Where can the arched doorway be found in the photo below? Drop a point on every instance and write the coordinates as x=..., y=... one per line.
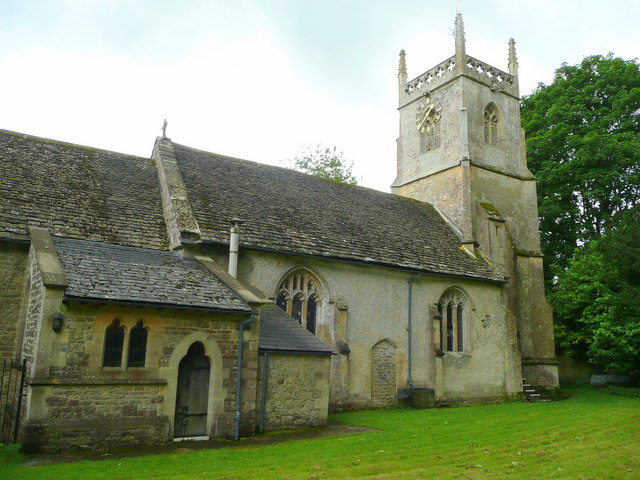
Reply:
x=192, y=395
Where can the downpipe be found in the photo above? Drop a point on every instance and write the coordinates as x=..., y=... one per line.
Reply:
x=409, y=322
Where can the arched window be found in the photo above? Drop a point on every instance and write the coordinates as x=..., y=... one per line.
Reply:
x=460, y=328
x=296, y=309
x=442, y=319
x=450, y=327
x=283, y=300
x=300, y=296
x=491, y=124
x=312, y=311
x=113, y=342
x=451, y=307
x=137, y=346
x=431, y=136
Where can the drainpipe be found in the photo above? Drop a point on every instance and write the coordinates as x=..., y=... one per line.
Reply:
x=409, y=359
x=234, y=242
x=263, y=391
x=241, y=325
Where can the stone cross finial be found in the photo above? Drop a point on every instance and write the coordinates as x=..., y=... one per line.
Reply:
x=513, y=60
x=402, y=69
x=164, y=128
x=459, y=34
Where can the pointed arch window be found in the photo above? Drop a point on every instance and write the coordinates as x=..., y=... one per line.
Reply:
x=431, y=135
x=137, y=346
x=113, y=343
x=299, y=295
x=491, y=121
x=454, y=322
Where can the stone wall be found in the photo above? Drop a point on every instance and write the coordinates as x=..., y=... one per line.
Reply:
x=13, y=265
x=297, y=393
x=98, y=416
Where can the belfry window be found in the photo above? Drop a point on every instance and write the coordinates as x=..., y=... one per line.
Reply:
x=137, y=346
x=491, y=124
x=453, y=324
x=431, y=138
x=300, y=296
x=113, y=342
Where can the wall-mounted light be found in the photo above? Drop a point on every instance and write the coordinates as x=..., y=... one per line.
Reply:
x=57, y=322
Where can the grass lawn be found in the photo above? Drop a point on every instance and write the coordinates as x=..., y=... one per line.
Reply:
x=595, y=435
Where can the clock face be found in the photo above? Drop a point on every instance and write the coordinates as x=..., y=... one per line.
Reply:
x=428, y=113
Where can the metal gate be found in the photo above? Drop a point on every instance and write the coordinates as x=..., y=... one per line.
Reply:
x=12, y=392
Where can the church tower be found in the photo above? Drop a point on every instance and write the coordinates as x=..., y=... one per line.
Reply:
x=461, y=148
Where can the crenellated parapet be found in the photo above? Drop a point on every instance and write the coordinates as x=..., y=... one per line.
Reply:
x=491, y=76
x=446, y=71
x=429, y=80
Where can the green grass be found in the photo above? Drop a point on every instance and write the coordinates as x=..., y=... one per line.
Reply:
x=594, y=435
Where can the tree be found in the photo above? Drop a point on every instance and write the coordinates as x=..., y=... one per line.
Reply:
x=583, y=147
x=597, y=298
x=326, y=163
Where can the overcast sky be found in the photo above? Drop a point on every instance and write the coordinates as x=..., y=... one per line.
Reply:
x=262, y=80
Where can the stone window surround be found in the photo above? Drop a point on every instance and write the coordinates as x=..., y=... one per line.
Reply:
x=456, y=299
x=431, y=136
x=312, y=290
x=491, y=121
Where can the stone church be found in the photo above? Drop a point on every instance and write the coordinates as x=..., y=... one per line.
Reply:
x=195, y=295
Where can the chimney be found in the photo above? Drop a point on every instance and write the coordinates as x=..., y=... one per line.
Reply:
x=234, y=243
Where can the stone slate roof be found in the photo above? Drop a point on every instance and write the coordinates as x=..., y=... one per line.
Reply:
x=78, y=192
x=280, y=332
x=141, y=276
x=298, y=213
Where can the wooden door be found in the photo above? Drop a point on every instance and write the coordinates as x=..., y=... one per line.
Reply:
x=192, y=397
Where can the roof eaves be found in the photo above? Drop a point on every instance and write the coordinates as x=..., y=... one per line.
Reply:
x=159, y=305
x=411, y=270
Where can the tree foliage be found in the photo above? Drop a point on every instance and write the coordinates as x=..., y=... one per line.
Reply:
x=597, y=298
x=583, y=147
x=326, y=163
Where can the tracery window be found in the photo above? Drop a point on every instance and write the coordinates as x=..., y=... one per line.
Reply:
x=453, y=324
x=300, y=295
x=113, y=342
x=431, y=138
x=491, y=124
x=137, y=346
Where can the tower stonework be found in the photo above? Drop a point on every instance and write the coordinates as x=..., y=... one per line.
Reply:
x=461, y=148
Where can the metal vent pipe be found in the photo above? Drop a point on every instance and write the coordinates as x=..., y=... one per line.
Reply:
x=234, y=244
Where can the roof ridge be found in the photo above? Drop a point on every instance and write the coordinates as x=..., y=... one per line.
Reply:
x=27, y=136
x=297, y=172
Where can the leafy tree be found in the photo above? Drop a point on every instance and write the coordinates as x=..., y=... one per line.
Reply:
x=326, y=163
x=597, y=298
x=583, y=147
